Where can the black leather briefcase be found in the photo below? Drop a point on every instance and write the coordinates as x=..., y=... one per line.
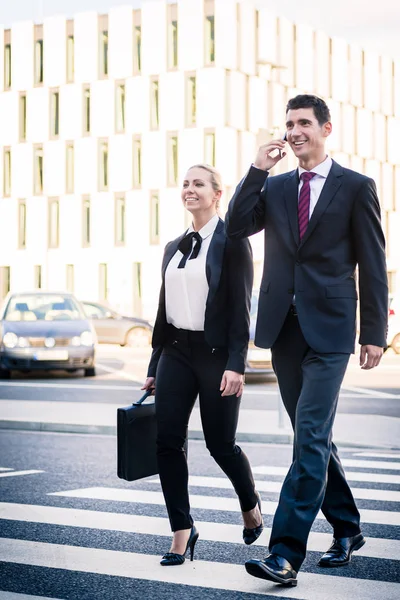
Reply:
x=136, y=440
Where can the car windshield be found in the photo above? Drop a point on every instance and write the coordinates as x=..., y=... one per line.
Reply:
x=45, y=307
x=254, y=305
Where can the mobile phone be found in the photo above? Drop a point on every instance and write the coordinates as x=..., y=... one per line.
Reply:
x=284, y=139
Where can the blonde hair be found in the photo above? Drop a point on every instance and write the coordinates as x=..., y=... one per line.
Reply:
x=216, y=180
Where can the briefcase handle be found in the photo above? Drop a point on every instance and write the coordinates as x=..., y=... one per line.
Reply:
x=143, y=398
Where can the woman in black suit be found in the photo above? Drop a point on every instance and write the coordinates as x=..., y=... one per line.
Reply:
x=200, y=343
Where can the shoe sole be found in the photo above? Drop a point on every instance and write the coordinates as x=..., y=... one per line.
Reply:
x=262, y=572
x=343, y=562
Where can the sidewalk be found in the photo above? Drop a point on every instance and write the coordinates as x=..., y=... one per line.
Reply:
x=254, y=425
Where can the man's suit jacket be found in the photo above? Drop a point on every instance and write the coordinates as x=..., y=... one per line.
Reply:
x=320, y=271
x=229, y=272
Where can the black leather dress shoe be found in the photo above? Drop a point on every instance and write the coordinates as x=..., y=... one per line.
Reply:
x=340, y=552
x=274, y=568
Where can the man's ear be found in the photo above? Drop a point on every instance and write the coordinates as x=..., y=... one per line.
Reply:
x=327, y=129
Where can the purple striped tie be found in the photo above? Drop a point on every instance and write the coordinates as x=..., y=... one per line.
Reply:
x=304, y=202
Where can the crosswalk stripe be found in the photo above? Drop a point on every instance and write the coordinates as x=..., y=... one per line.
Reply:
x=13, y=596
x=202, y=574
x=380, y=517
x=350, y=475
x=377, y=455
x=17, y=473
x=370, y=464
x=5, y=469
x=141, y=524
x=276, y=486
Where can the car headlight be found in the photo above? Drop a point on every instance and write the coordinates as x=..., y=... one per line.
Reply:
x=76, y=340
x=23, y=342
x=10, y=340
x=87, y=338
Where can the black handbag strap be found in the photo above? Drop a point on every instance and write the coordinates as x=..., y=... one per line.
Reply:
x=143, y=398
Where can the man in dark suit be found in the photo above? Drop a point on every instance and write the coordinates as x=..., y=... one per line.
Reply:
x=321, y=222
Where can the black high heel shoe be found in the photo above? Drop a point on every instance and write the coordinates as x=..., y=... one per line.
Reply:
x=171, y=558
x=250, y=535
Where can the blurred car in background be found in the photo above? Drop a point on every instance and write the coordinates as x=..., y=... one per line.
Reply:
x=45, y=331
x=113, y=328
x=394, y=324
x=259, y=360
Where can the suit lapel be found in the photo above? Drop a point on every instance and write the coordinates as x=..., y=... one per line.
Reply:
x=170, y=250
x=291, y=187
x=332, y=184
x=214, y=260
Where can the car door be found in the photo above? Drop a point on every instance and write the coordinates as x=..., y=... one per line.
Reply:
x=104, y=322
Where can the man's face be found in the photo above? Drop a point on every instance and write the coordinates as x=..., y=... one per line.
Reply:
x=305, y=135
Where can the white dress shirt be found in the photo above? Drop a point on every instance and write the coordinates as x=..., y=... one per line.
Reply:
x=317, y=182
x=186, y=289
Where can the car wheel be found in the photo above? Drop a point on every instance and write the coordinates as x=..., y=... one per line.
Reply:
x=90, y=372
x=396, y=343
x=5, y=374
x=138, y=337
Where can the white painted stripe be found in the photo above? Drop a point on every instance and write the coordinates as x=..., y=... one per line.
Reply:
x=350, y=475
x=13, y=596
x=70, y=386
x=124, y=374
x=212, y=532
x=377, y=455
x=276, y=486
x=371, y=464
x=17, y=473
x=5, y=469
x=202, y=574
x=381, y=517
x=369, y=392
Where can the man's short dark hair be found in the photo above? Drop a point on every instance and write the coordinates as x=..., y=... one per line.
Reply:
x=320, y=108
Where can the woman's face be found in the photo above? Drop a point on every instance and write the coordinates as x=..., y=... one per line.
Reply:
x=197, y=192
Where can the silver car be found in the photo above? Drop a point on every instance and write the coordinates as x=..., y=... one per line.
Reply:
x=43, y=331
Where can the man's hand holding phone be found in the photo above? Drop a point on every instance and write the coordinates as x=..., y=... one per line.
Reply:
x=264, y=160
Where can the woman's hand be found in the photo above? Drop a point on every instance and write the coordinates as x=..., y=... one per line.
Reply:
x=232, y=383
x=150, y=384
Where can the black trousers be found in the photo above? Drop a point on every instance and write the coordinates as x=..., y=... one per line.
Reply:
x=309, y=383
x=189, y=367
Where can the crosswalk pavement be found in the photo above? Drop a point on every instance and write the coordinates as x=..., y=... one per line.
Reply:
x=119, y=533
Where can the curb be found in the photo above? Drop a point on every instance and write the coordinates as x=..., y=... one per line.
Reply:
x=286, y=437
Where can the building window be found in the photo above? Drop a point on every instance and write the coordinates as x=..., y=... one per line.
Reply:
x=21, y=224
x=54, y=113
x=137, y=42
x=103, y=55
x=209, y=34
x=120, y=108
x=54, y=222
x=172, y=158
x=172, y=36
x=37, y=277
x=22, y=117
x=154, y=218
x=38, y=54
x=38, y=170
x=86, y=110
x=154, y=104
x=137, y=161
x=86, y=218
x=70, y=278
x=70, y=52
x=190, y=100
x=7, y=59
x=103, y=283
x=137, y=289
x=103, y=165
x=69, y=168
x=209, y=148
x=120, y=220
x=7, y=172
x=5, y=277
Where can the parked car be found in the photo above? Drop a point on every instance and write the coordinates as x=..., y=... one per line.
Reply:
x=43, y=331
x=259, y=360
x=113, y=328
x=394, y=324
